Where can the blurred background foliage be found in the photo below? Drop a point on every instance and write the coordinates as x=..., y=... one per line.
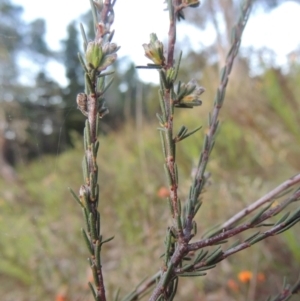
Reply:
x=41, y=249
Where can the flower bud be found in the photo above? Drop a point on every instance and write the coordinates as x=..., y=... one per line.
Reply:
x=155, y=50
x=94, y=54
x=110, y=48
x=81, y=100
x=189, y=94
x=107, y=61
x=191, y=3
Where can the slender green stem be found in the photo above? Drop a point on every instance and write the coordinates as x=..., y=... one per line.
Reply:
x=91, y=105
x=184, y=234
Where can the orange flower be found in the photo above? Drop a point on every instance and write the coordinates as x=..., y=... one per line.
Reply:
x=60, y=297
x=233, y=285
x=163, y=192
x=245, y=276
x=261, y=277
x=62, y=293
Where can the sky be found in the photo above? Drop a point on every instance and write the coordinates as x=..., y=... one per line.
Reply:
x=136, y=19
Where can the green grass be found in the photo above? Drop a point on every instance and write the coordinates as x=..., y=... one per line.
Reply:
x=41, y=245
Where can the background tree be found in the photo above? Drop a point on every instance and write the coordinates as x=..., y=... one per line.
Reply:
x=11, y=42
x=70, y=50
x=221, y=15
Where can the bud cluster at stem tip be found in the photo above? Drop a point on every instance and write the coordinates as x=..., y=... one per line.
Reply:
x=188, y=95
x=99, y=56
x=155, y=50
x=191, y=3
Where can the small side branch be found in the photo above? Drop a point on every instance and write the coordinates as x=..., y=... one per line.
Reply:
x=265, y=199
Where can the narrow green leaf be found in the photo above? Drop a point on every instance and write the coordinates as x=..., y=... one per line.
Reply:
x=220, y=242
x=194, y=228
x=168, y=175
x=284, y=284
x=170, y=206
x=108, y=85
x=92, y=186
x=92, y=226
x=83, y=35
x=97, y=254
x=93, y=291
x=87, y=241
x=116, y=295
x=104, y=74
x=257, y=239
x=97, y=127
x=252, y=236
x=206, y=267
x=282, y=219
x=75, y=196
x=259, y=214
x=129, y=296
x=188, y=209
x=178, y=87
x=183, y=106
x=233, y=35
x=149, y=66
x=197, y=207
x=195, y=274
x=264, y=225
x=162, y=140
x=96, y=148
x=162, y=122
x=85, y=170
x=214, y=255
x=289, y=226
x=107, y=240
x=163, y=78
x=182, y=93
x=191, y=133
x=213, y=231
x=111, y=34
x=234, y=244
x=82, y=64
x=88, y=84
x=86, y=219
x=211, y=146
x=162, y=104
x=98, y=224
x=171, y=297
x=177, y=66
x=182, y=131
x=179, y=222
x=176, y=174
x=295, y=287
x=281, y=194
x=87, y=133
x=222, y=73
x=94, y=13
x=168, y=274
x=187, y=267
x=293, y=216
x=168, y=247
x=200, y=256
x=205, y=143
x=209, y=119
